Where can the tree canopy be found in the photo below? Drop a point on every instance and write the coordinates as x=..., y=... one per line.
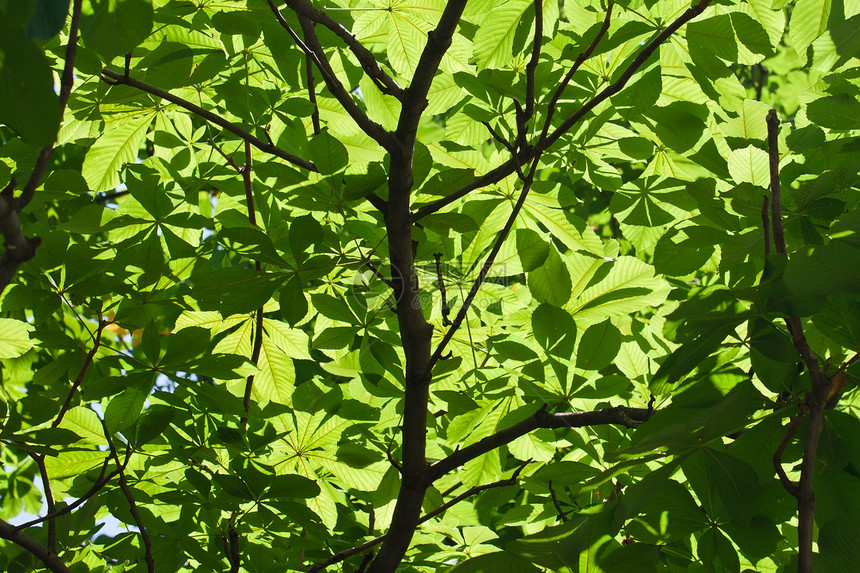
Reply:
x=489, y=286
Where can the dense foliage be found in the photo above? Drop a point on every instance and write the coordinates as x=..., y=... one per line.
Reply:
x=503, y=285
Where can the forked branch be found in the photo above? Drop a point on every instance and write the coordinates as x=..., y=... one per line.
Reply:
x=385, y=83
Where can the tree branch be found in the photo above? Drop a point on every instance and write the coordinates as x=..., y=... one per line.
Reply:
x=258, y=316
x=132, y=506
x=620, y=415
x=631, y=69
x=67, y=82
x=97, y=339
x=345, y=554
x=384, y=82
x=531, y=67
x=49, y=500
x=10, y=533
x=817, y=398
x=523, y=153
x=312, y=47
x=19, y=247
x=210, y=117
x=100, y=483
x=415, y=331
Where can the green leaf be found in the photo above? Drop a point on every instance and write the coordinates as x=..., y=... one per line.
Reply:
x=115, y=27
x=235, y=290
x=532, y=249
x=824, y=269
x=28, y=103
x=598, y=347
x=124, y=409
x=554, y=330
x=550, y=283
x=750, y=165
x=500, y=562
x=294, y=305
x=494, y=40
x=808, y=21
x=119, y=145
x=14, y=337
x=328, y=154
x=48, y=19
x=291, y=487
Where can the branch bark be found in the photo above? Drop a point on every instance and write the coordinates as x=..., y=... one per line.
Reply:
x=20, y=248
x=10, y=533
x=312, y=47
x=368, y=62
x=415, y=331
x=817, y=398
x=621, y=415
x=129, y=496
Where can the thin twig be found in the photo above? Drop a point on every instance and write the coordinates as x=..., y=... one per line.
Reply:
x=524, y=153
x=67, y=82
x=100, y=482
x=311, y=47
x=97, y=338
x=555, y=502
x=129, y=496
x=385, y=83
x=441, y=281
x=258, y=327
x=49, y=500
x=789, y=486
x=210, y=117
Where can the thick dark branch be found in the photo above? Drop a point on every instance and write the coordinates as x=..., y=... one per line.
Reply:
x=345, y=554
x=97, y=340
x=368, y=63
x=11, y=533
x=620, y=415
x=132, y=506
x=216, y=119
x=312, y=47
